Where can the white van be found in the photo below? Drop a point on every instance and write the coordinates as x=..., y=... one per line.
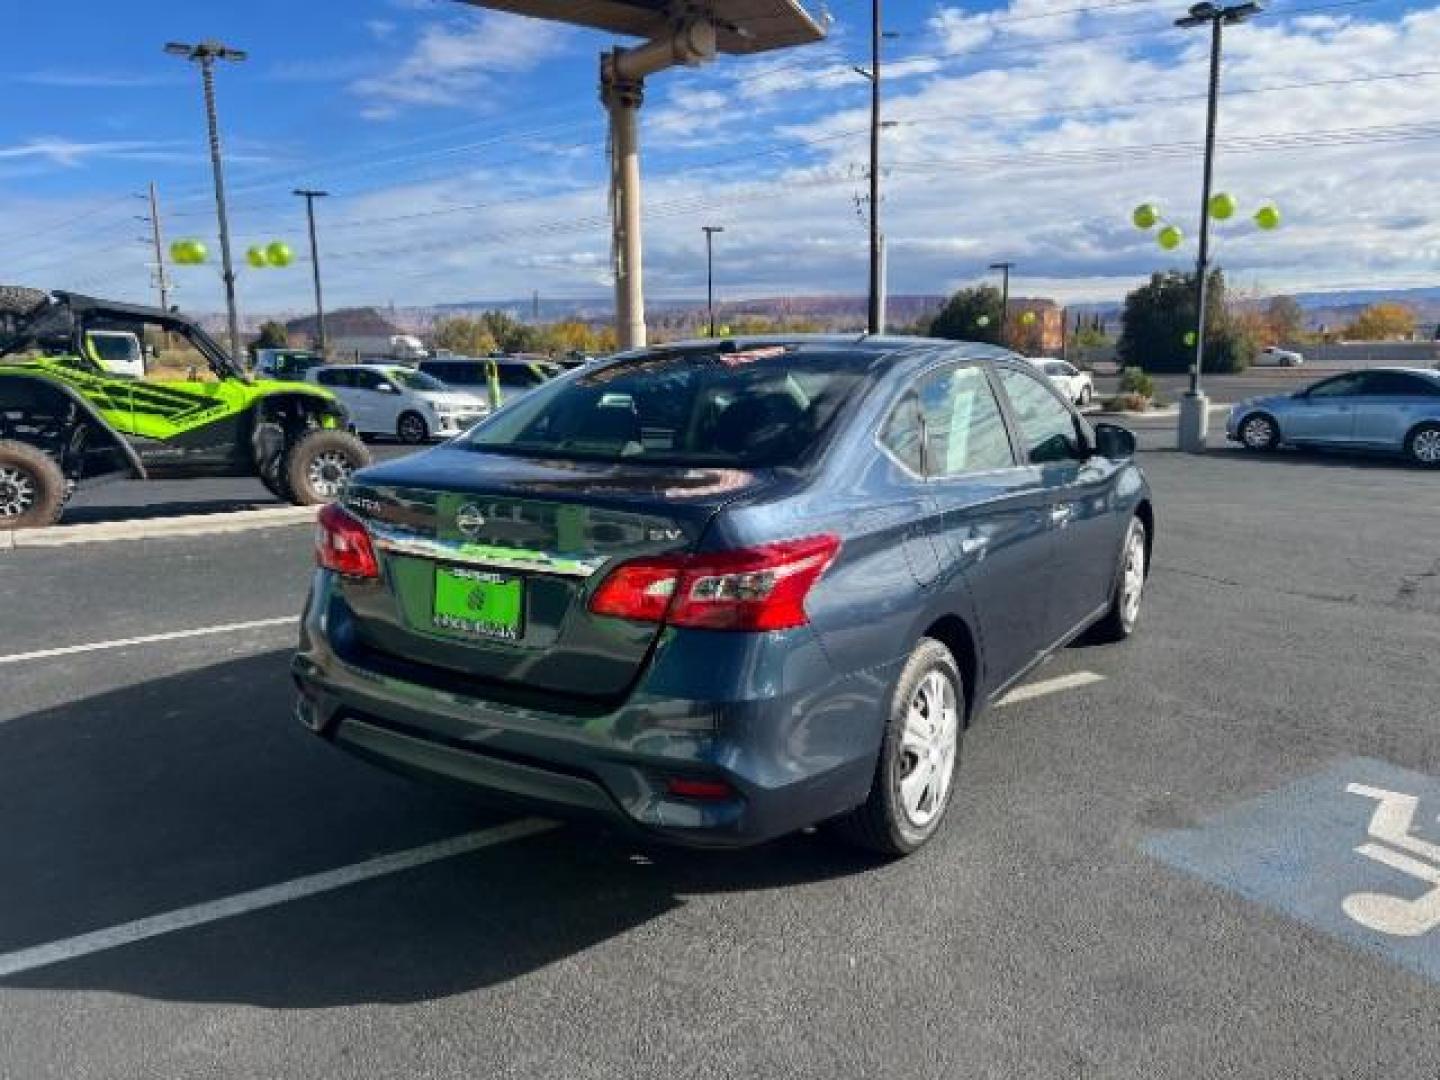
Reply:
x=117, y=351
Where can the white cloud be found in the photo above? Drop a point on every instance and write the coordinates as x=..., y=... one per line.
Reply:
x=458, y=60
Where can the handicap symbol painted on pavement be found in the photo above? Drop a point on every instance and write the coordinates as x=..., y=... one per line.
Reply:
x=1397, y=847
x=1353, y=851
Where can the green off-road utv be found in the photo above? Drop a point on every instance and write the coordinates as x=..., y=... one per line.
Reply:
x=68, y=418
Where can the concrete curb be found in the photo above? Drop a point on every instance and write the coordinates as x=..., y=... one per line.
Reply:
x=158, y=528
x=1169, y=412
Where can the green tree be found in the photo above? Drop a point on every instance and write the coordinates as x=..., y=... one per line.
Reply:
x=1160, y=314
x=1284, y=319
x=960, y=318
x=273, y=335
x=468, y=337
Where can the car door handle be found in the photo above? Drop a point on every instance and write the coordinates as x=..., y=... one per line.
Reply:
x=1061, y=515
x=974, y=545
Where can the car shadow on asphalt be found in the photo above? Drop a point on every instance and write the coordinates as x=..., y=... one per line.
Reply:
x=1331, y=459
x=87, y=515
x=193, y=787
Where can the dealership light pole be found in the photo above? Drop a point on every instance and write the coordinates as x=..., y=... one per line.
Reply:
x=310, y=195
x=710, y=231
x=1004, y=268
x=1194, y=408
x=875, y=318
x=205, y=54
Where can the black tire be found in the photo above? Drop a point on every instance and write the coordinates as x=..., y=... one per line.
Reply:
x=883, y=823
x=1422, y=445
x=19, y=301
x=1119, y=622
x=33, y=490
x=318, y=464
x=1258, y=431
x=411, y=428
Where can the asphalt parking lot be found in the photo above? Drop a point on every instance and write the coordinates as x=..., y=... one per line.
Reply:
x=1149, y=872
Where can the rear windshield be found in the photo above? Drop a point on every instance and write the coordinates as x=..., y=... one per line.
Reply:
x=757, y=408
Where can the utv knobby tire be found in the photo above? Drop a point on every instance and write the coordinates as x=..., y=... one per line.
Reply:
x=32, y=487
x=275, y=484
x=317, y=465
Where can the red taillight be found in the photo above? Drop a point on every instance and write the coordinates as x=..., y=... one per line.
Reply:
x=343, y=545
x=759, y=588
x=690, y=787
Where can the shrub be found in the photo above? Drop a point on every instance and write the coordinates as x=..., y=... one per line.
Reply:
x=1135, y=381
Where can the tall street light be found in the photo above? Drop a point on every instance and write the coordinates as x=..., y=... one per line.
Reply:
x=875, y=317
x=1004, y=268
x=310, y=195
x=205, y=54
x=1194, y=408
x=710, y=231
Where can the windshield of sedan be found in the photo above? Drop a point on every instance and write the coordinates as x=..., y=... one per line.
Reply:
x=754, y=408
x=416, y=380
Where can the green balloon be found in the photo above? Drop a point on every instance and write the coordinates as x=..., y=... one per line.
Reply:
x=279, y=254
x=983, y=321
x=1189, y=337
x=1223, y=206
x=256, y=257
x=1145, y=216
x=188, y=252
x=1268, y=217
x=1170, y=237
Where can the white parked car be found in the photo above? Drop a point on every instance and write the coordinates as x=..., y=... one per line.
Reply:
x=387, y=399
x=1279, y=357
x=1068, y=379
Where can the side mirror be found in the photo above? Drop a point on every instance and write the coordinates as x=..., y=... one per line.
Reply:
x=1114, y=442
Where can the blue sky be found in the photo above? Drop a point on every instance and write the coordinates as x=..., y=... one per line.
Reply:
x=465, y=149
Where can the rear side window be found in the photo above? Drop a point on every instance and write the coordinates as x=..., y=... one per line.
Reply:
x=964, y=429
x=1398, y=384
x=764, y=407
x=902, y=435
x=333, y=378
x=1047, y=427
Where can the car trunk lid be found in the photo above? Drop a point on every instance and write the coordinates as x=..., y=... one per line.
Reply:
x=488, y=561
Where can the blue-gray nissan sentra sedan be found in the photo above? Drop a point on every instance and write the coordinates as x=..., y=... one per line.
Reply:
x=1384, y=410
x=722, y=591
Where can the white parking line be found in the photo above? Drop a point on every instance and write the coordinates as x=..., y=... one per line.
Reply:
x=1073, y=681
x=57, y=952
x=148, y=639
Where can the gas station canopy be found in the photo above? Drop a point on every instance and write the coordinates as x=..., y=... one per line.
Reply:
x=742, y=26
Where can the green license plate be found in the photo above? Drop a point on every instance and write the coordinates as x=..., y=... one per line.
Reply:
x=479, y=604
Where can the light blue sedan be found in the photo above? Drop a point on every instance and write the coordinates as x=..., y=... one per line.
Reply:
x=1389, y=410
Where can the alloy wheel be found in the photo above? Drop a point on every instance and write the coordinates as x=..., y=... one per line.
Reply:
x=328, y=472
x=1426, y=446
x=17, y=491
x=1132, y=579
x=1258, y=433
x=412, y=428
x=928, y=747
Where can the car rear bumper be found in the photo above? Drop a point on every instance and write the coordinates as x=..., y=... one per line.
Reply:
x=791, y=756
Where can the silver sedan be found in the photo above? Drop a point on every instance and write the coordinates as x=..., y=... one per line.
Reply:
x=1388, y=410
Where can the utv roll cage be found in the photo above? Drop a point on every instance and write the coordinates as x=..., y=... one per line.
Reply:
x=59, y=327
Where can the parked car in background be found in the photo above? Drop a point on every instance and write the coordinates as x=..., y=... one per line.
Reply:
x=517, y=377
x=1272, y=356
x=1389, y=410
x=286, y=365
x=1075, y=384
x=118, y=352
x=718, y=592
x=387, y=399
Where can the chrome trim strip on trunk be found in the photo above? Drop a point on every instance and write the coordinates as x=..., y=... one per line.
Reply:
x=399, y=543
